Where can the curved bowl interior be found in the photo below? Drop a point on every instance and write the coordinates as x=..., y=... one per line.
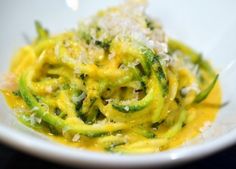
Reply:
x=208, y=26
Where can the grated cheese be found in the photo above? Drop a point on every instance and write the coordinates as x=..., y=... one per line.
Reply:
x=34, y=109
x=111, y=55
x=19, y=110
x=192, y=87
x=34, y=119
x=127, y=21
x=45, y=107
x=126, y=108
x=76, y=138
x=206, y=126
x=49, y=89
x=57, y=49
x=76, y=99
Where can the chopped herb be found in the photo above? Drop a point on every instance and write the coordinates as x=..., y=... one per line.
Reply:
x=103, y=44
x=79, y=103
x=157, y=124
x=83, y=76
x=146, y=133
x=177, y=100
x=17, y=93
x=66, y=86
x=149, y=24
x=85, y=36
x=98, y=29
x=92, y=116
x=59, y=113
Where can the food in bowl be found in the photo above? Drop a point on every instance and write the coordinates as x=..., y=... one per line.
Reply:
x=117, y=83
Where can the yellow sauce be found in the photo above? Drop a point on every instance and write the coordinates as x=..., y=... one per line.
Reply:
x=204, y=112
x=45, y=55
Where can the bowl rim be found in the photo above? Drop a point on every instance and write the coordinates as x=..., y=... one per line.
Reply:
x=78, y=157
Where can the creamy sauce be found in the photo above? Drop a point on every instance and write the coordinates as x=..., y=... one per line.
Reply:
x=76, y=56
x=199, y=115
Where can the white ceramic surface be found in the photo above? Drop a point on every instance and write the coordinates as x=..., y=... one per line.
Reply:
x=207, y=25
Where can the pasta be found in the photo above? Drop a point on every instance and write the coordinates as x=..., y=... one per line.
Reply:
x=117, y=83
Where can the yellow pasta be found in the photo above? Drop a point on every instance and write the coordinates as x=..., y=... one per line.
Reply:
x=116, y=84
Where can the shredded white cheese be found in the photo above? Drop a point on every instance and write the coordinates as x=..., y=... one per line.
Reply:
x=34, y=119
x=34, y=109
x=76, y=99
x=192, y=87
x=126, y=108
x=45, y=107
x=76, y=138
x=65, y=130
x=77, y=70
x=49, y=89
x=68, y=60
x=109, y=100
x=133, y=64
x=100, y=123
x=119, y=135
x=206, y=126
x=19, y=110
x=128, y=21
x=111, y=55
x=57, y=49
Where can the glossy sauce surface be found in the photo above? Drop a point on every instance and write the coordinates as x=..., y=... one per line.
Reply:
x=198, y=114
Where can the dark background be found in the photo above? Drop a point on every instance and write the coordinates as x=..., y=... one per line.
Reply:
x=11, y=159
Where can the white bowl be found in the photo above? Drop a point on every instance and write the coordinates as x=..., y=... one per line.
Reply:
x=209, y=26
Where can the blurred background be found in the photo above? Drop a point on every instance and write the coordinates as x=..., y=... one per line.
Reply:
x=11, y=159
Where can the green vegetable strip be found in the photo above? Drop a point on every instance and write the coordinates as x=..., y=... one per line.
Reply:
x=110, y=142
x=203, y=95
x=159, y=99
x=176, y=45
x=25, y=119
x=177, y=126
x=154, y=63
x=145, y=132
x=135, y=105
x=160, y=74
x=195, y=57
x=59, y=124
x=148, y=57
x=91, y=118
x=42, y=32
x=146, y=146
